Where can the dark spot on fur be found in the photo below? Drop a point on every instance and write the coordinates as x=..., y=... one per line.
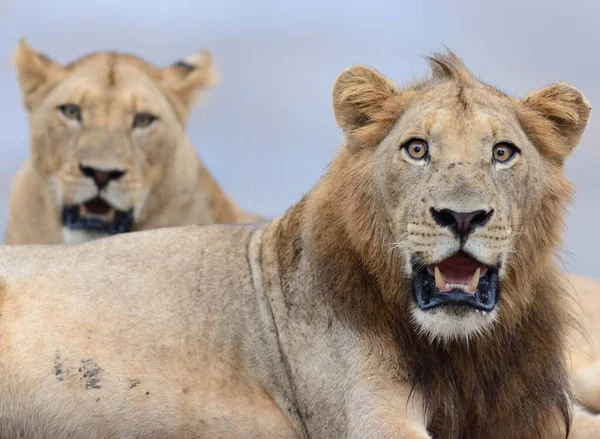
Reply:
x=329, y=323
x=133, y=382
x=97, y=399
x=111, y=70
x=185, y=390
x=185, y=65
x=92, y=373
x=147, y=393
x=58, y=367
x=462, y=99
x=45, y=58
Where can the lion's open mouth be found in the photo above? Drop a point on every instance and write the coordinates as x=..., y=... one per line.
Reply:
x=459, y=280
x=96, y=214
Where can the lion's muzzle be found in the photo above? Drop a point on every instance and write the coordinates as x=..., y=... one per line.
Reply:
x=459, y=280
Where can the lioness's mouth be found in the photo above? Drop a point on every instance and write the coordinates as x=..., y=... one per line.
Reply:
x=96, y=214
x=459, y=280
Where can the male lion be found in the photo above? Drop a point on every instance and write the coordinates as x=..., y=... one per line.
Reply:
x=411, y=294
x=108, y=149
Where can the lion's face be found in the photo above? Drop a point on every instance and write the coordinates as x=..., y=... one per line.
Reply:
x=451, y=173
x=458, y=175
x=103, y=130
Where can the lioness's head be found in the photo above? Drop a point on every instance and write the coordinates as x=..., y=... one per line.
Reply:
x=103, y=131
x=463, y=182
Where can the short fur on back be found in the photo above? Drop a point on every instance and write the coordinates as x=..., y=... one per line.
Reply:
x=307, y=326
x=583, y=356
x=162, y=182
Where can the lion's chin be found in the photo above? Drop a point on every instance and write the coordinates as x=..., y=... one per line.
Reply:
x=79, y=236
x=452, y=323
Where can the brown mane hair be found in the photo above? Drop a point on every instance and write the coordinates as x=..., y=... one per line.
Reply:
x=498, y=385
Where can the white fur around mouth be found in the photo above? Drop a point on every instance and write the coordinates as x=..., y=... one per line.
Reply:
x=443, y=326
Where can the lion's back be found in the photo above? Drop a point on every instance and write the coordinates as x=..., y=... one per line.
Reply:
x=157, y=270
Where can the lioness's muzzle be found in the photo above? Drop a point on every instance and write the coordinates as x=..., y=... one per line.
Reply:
x=97, y=215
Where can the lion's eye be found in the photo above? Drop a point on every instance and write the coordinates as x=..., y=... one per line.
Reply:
x=416, y=149
x=504, y=152
x=143, y=120
x=70, y=111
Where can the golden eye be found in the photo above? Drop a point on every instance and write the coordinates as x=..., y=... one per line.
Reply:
x=143, y=120
x=504, y=152
x=416, y=148
x=70, y=111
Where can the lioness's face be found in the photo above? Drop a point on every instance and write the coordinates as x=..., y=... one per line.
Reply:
x=460, y=179
x=102, y=137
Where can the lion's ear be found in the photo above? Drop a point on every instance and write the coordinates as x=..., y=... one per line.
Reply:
x=186, y=77
x=36, y=74
x=563, y=114
x=363, y=105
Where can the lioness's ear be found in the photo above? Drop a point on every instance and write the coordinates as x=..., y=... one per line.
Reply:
x=563, y=113
x=36, y=73
x=186, y=77
x=363, y=105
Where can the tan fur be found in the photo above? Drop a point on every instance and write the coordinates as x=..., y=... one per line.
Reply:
x=583, y=357
x=305, y=327
x=165, y=183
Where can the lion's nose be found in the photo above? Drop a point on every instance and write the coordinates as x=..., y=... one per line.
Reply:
x=461, y=223
x=102, y=177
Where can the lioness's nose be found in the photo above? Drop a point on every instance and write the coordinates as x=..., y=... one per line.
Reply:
x=101, y=177
x=461, y=223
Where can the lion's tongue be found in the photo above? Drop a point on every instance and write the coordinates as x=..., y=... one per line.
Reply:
x=97, y=206
x=459, y=270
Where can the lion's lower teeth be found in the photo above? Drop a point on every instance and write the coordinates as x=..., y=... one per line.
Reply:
x=453, y=286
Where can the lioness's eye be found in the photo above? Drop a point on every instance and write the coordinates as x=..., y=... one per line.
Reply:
x=416, y=149
x=504, y=152
x=143, y=120
x=70, y=111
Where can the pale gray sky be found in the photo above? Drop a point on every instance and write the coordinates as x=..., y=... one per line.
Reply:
x=267, y=132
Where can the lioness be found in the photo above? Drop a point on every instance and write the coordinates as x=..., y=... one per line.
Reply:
x=108, y=149
x=411, y=294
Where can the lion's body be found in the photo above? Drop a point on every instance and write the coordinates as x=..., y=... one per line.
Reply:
x=164, y=183
x=208, y=339
x=308, y=326
x=155, y=355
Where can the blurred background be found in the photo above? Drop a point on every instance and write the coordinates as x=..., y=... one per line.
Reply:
x=267, y=131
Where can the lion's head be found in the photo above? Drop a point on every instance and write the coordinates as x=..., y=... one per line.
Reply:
x=104, y=132
x=459, y=188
